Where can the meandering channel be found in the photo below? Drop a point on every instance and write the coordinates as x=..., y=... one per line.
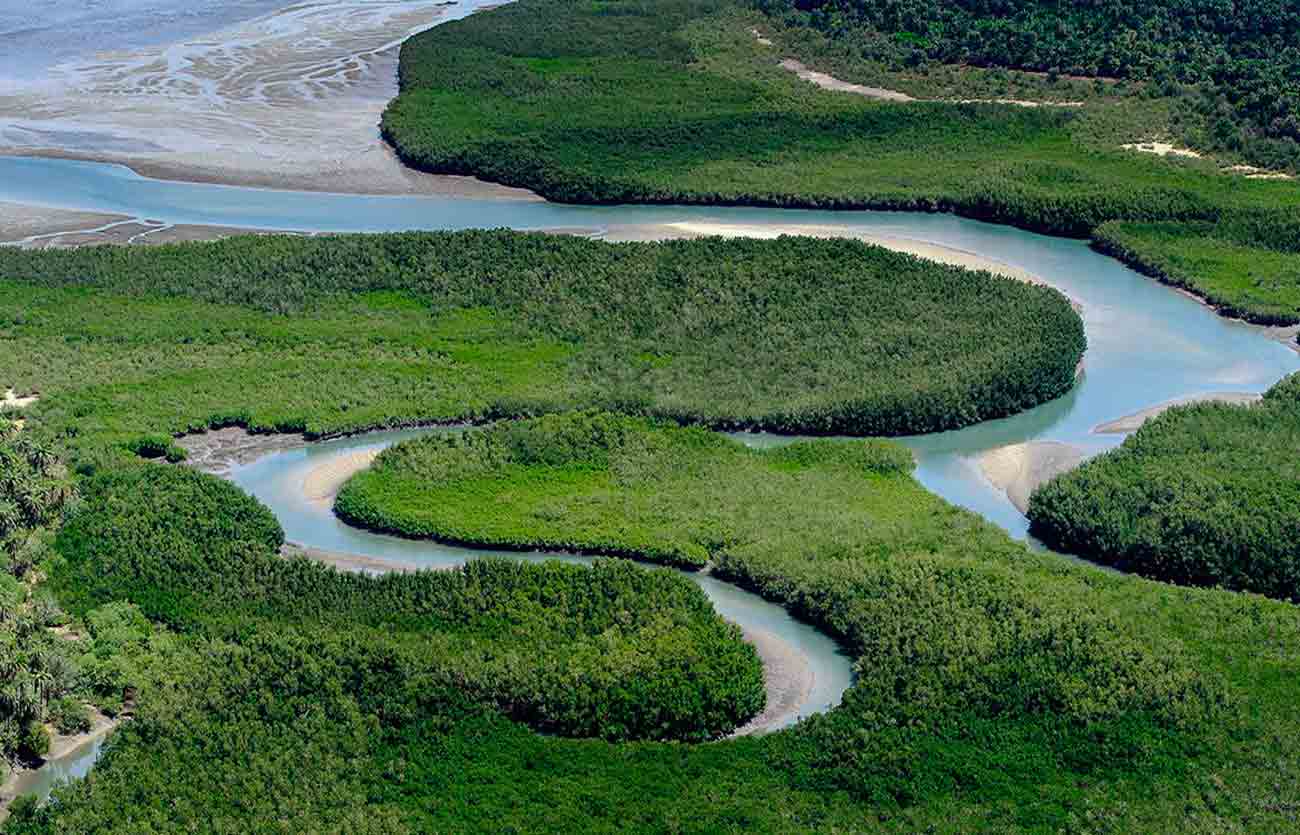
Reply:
x=1147, y=344
x=805, y=670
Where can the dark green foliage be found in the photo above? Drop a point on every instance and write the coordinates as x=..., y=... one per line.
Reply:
x=950, y=646
x=611, y=651
x=1246, y=53
x=1204, y=495
x=794, y=335
x=70, y=715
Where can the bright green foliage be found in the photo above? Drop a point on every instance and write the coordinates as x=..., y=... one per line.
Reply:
x=596, y=484
x=130, y=345
x=951, y=643
x=612, y=651
x=675, y=101
x=1205, y=495
x=1238, y=273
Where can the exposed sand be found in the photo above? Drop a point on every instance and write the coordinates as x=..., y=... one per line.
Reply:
x=13, y=401
x=323, y=482
x=1131, y=423
x=830, y=82
x=1020, y=468
x=57, y=229
x=1163, y=149
x=786, y=676
x=19, y=222
x=1253, y=173
x=288, y=100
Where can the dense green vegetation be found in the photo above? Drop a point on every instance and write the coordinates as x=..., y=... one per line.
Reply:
x=999, y=689
x=675, y=101
x=1207, y=494
x=610, y=652
x=35, y=667
x=129, y=346
x=1243, y=57
x=1226, y=264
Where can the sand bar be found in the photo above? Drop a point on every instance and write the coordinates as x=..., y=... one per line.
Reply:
x=1131, y=423
x=1018, y=469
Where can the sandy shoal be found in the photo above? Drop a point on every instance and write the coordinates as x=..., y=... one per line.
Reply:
x=921, y=249
x=1018, y=469
x=323, y=482
x=1131, y=423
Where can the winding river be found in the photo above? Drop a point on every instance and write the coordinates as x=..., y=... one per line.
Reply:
x=1148, y=345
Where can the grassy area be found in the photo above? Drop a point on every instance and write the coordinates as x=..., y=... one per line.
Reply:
x=1223, y=71
x=1239, y=276
x=128, y=346
x=676, y=101
x=1205, y=495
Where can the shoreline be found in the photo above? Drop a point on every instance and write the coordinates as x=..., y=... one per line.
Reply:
x=61, y=747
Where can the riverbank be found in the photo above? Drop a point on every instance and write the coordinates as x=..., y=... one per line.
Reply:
x=64, y=749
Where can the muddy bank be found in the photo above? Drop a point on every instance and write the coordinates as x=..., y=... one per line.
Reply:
x=218, y=450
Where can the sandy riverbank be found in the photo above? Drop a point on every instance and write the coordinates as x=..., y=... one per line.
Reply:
x=787, y=678
x=288, y=100
x=921, y=249
x=323, y=482
x=1131, y=423
x=1018, y=469
x=62, y=746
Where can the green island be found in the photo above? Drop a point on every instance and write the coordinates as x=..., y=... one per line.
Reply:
x=678, y=101
x=1207, y=495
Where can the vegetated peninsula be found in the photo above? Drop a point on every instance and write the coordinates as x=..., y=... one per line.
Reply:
x=679, y=101
x=1205, y=494
x=345, y=333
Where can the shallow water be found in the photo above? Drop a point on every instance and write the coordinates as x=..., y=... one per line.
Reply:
x=72, y=766
x=1146, y=343
x=37, y=36
x=277, y=480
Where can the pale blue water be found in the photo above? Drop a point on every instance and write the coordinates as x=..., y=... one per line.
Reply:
x=1146, y=343
x=35, y=36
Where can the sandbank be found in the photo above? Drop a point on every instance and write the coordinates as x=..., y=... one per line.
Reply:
x=1131, y=423
x=323, y=482
x=787, y=678
x=1018, y=469
x=288, y=100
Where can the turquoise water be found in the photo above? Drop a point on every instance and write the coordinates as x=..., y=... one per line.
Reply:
x=1146, y=343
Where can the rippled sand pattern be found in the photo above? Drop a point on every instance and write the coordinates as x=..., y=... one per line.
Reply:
x=291, y=99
